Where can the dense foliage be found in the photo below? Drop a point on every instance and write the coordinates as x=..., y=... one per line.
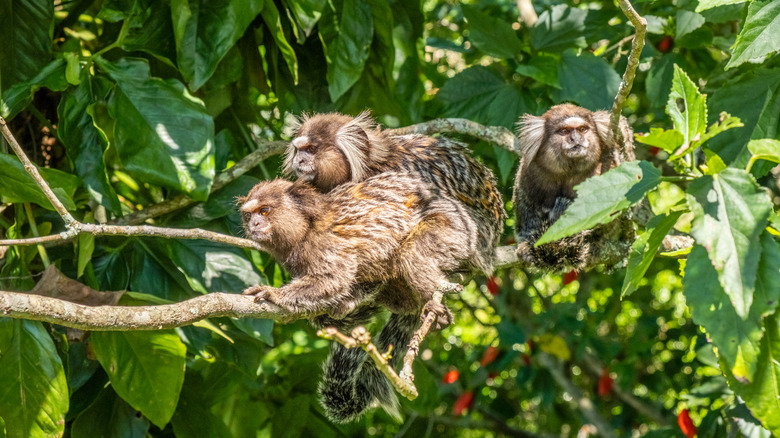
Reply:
x=127, y=103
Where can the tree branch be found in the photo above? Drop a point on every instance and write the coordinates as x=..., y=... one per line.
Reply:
x=497, y=135
x=640, y=24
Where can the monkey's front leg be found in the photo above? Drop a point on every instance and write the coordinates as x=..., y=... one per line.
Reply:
x=312, y=295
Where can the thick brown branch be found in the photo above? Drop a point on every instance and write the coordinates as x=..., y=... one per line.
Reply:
x=640, y=24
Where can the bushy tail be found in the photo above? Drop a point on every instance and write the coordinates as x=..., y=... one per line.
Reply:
x=351, y=383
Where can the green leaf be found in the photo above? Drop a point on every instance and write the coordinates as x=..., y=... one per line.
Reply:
x=85, y=143
x=109, y=416
x=730, y=211
x=260, y=329
x=493, y=36
x=350, y=46
x=762, y=395
x=16, y=185
x=601, y=197
x=163, y=136
x=292, y=417
x=33, y=388
x=14, y=100
x=25, y=30
x=668, y=140
x=307, y=13
x=559, y=28
x=644, y=249
x=587, y=80
x=479, y=94
x=86, y=248
x=758, y=37
x=660, y=77
x=271, y=18
x=151, y=31
x=709, y=4
x=146, y=369
x=755, y=99
x=764, y=149
x=211, y=267
x=687, y=22
x=542, y=68
x=686, y=107
x=205, y=30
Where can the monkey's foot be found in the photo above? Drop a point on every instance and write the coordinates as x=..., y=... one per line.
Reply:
x=261, y=292
x=444, y=316
x=525, y=251
x=445, y=286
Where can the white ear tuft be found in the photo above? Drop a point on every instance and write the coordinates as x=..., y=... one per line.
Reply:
x=352, y=139
x=531, y=133
x=601, y=119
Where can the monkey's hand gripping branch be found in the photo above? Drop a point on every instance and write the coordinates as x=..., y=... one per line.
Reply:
x=403, y=382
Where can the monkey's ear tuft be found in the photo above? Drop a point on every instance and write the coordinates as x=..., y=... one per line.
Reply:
x=531, y=133
x=240, y=200
x=353, y=141
x=601, y=119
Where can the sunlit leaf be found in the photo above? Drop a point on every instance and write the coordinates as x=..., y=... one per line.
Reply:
x=686, y=107
x=348, y=50
x=644, y=248
x=558, y=28
x=668, y=140
x=758, y=37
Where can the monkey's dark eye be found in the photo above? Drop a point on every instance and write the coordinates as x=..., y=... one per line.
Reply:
x=564, y=131
x=312, y=148
x=264, y=211
x=583, y=129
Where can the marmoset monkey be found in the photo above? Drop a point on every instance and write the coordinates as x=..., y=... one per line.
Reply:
x=387, y=241
x=562, y=148
x=331, y=149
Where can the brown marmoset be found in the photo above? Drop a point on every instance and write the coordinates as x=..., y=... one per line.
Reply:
x=331, y=149
x=562, y=148
x=387, y=241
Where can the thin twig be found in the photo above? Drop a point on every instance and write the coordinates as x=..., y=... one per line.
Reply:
x=640, y=24
x=407, y=374
x=33, y=171
x=361, y=338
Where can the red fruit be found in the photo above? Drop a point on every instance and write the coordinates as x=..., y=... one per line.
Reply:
x=492, y=285
x=489, y=356
x=654, y=150
x=462, y=403
x=492, y=374
x=570, y=276
x=605, y=383
x=526, y=359
x=666, y=44
x=450, y=377
x=531, y=345
x=686, y=425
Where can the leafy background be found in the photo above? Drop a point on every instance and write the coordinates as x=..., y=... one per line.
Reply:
x=126, y=103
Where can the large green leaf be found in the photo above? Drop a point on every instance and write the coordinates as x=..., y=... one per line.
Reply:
x=600, y=197
x=587, y=80
x=347, y=41
x=16, y=185
x=210, y=267
x=205, y=30
x=668, y=140
x=686, y=106
x=25, y=32
x=758, y=37
x=15, y=99
x=764, y=149
x=307, y=13
x=730, y=211
x=542, y=68
x=493, y=36
x=755, y=99
x=479, y=94
x=85, y=143
x=33, y=387
x=109, y=416
x=271, y=18
x=737, y=338
x=151, y=31
x=709, y=4
x=146, y=369
x=644, y=248
x=558, y=28
x=762, y=395
x=163, y=136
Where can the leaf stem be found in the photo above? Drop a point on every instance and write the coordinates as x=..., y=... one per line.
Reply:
x=34, y=227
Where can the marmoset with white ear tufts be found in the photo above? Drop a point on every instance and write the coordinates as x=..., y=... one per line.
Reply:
x=562, y=148
x=387, y=241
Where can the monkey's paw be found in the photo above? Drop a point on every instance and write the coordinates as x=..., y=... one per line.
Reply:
x=527, y=254
x=262, y=292
x=444, y=316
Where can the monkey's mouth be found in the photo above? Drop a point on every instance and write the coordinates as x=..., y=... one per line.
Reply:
x=577, y=150
x=260, y=234
x=306, y=173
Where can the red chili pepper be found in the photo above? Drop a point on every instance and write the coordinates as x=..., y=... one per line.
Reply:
x=450, y=377
x=462, y=403
x=686, y=424
x=605, y=383
x=489, y=356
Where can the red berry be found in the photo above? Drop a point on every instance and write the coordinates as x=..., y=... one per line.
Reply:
x=462, y=403
x=654, y=150
x=686, y=424
x=450, y=377
x=605, y=383
x=492, y=285
x=570, y=276
x=666, y=44
x=489, y=356
x=526, y=359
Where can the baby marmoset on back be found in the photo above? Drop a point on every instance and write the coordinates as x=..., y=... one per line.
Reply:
x=562, y=148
